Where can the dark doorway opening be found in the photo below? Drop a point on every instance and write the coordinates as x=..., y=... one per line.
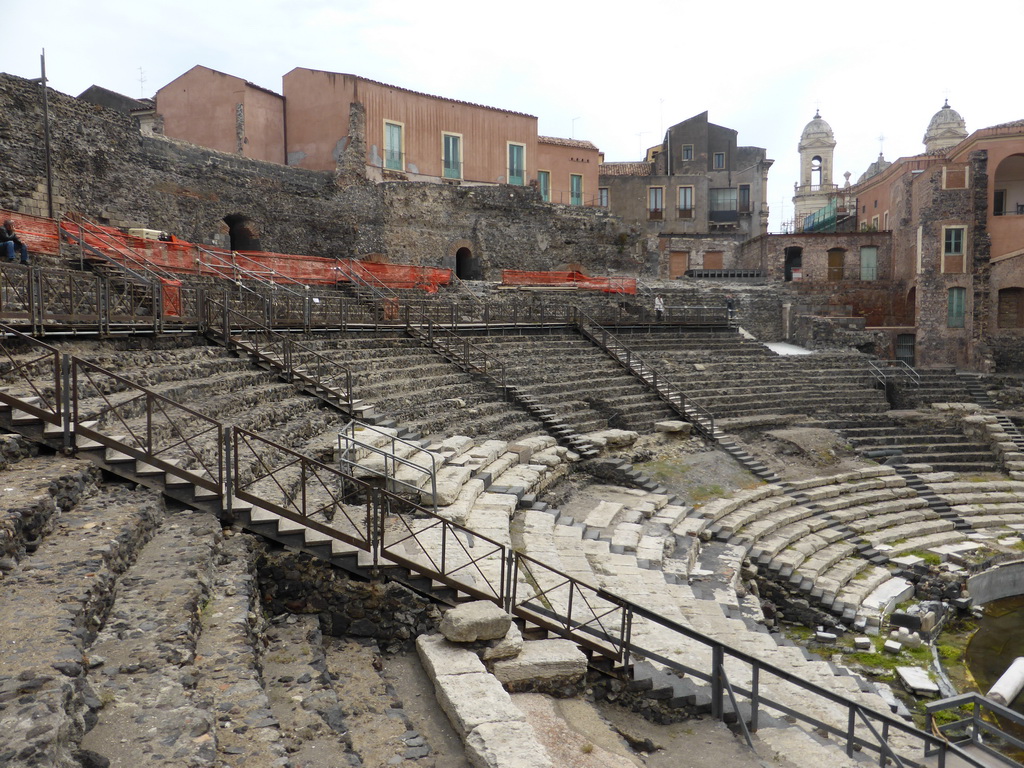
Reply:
x=467, y=267
x=242, y=233
x=794, y=263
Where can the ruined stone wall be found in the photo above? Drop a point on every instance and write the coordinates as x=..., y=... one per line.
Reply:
x=106, y=169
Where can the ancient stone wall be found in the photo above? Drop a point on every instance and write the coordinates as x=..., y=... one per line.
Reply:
x=106, y=169
x=385, y=611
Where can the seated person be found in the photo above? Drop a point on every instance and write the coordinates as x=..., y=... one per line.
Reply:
x=10, y=243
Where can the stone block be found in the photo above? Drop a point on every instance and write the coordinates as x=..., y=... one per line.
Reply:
x=543, y=661
x=510, y=646
x=892, y=646
x=917, y=681
x=506, y=745
x=615, y=438
x=473, y=699
x=673, y=426
x=442, y=657
x=449, y=482
x=479, y=620
x=863, y=643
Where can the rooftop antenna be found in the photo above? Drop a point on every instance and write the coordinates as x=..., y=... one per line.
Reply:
x=640, y=139
x=142, y=83
x=573, y=130
x=881, y=144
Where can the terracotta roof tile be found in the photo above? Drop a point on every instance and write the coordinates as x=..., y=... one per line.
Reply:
x=627, y=169
x=577, y=143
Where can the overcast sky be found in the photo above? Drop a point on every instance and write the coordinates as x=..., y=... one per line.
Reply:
x=615, y=73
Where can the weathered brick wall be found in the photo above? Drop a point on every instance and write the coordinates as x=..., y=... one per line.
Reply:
x=104, y=168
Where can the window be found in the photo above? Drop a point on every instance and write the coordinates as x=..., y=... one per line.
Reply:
x=544, y=182
x=956, y=307
x=874, y=223
x=885, y=221
x=452, y=148
x=575, y=189
x=655, y=203
x=1011, y=308
x=719, y=161
x=687, y=151
x=602, y=197
x=394, y=153
x=868, y=262
x=744, y=198
x=999, y=202
x=714, y=259
x=686, y=202
x=953, y=249
x=722, y=204
x=816, y=172
x=517, y=164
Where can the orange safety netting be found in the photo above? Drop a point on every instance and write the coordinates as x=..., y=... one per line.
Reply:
x=565, y=279
x=171, y=291
x=39, y=234
x=181, y=257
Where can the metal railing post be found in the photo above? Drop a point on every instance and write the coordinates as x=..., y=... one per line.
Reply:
x=65, y=401
x=228, y=476
x=717, y=673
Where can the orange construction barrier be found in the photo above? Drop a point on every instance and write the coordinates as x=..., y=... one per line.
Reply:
x=38, y=233
x=569, y=279
x=171, y=292
x=41, y=235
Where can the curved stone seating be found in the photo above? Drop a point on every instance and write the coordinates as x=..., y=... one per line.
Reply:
x=575, y=380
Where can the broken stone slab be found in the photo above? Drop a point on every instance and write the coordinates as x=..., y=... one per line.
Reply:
x=510, y=646
x=543, y=661
x=917, y=681
x=863, y=643
x=473, y=699
x=892, y=646
x=442, y=657
x=448, y=482
x=506, y=745
x=478, y=620
x=456, y=445
x=614, y=438
x=888, y=595
x=674, y=427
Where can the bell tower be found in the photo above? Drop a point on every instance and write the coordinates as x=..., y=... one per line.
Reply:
x=815, y=187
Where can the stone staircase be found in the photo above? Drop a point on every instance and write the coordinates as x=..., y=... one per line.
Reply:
x=575, y=381
x=735, y=377
x=916, y=439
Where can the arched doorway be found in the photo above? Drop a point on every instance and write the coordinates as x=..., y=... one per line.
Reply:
x=242, y=232
x=467, y=266
x=794, y=262
x=1008, y=187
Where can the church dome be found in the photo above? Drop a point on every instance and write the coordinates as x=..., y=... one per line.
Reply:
x=817, y=132
x=946, y=129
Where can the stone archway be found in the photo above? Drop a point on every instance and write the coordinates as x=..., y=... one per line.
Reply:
x=794, y=259
x=464, y=262
x=243, y=233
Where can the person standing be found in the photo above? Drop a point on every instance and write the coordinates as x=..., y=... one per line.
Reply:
x=659, y=308
x=10, y=243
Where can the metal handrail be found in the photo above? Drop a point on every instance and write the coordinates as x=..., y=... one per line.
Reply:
x=593, y=617
x=327, y=374
x=981, y=723
x=238, y=273
x=347, y=441
x=460, y=350
x=882, y=369
x=121, y=249
x=702, y=419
